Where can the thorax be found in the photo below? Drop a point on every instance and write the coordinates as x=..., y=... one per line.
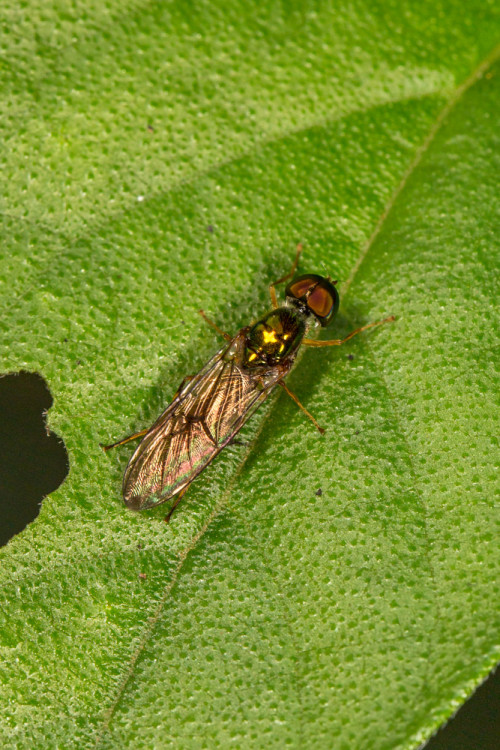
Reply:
x=274, y=338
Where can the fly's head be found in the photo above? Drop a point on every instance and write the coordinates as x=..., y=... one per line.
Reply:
x=314, y=295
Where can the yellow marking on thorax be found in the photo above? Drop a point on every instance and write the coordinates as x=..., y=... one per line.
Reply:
x=269, y=337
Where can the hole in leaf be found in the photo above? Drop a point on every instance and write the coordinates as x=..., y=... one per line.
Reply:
x=476, y=725
x=32, y=462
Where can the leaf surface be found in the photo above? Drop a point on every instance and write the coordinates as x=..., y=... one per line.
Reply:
x=157, y=160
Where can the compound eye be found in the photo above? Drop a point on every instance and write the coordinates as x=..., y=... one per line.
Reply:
x=321, y=302
x=324, y=301
x=300, y=287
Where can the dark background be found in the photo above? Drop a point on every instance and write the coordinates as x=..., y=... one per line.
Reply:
x=33, y=464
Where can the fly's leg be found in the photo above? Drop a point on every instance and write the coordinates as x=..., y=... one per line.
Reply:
x=135, y=436
x=140, y=434
x=177, y=501
x=215, y=326
x=272, y=290
x=337, y=342
x=301, y=406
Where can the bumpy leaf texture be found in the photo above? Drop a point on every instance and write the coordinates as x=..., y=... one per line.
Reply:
x=159, y=158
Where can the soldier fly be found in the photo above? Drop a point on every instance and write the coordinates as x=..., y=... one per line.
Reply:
x=211, y=407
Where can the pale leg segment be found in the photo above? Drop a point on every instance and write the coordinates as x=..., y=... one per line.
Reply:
x=135, y=436
x=215, y=326
x=337, y=342
x=177, y=501
x=301, y=406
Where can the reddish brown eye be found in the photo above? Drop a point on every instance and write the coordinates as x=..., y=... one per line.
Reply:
x=300, y=287
x=320, y=301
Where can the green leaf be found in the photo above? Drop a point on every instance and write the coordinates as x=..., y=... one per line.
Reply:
x=162, y=158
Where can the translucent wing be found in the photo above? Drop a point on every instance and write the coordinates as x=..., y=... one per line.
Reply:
x=200, y=421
